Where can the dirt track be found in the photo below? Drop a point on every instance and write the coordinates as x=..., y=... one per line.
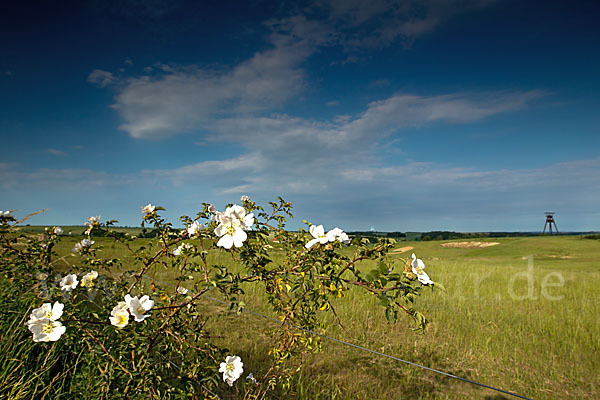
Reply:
x=469, y=245
x=402, y=249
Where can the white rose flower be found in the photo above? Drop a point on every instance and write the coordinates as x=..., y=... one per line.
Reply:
x=182, y=247
x=88, y=279
x=119, y=316
x=194, y=229
x=339, y=235
x=319, y=236
x=69, y=282
x=46, y=330
x=91, y=222
x=148, y=209
x=137, y=307
x=181, y=290
x=344, y=238
x=232, y=369
x=417, y=268
x=232, y=225
x=47, y=311
x=82, y=245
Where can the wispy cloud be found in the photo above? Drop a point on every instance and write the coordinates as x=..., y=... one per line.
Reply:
x=224, y=174
x=55, y=152
x=101, y=78
x=403, y=110
x=181, y=98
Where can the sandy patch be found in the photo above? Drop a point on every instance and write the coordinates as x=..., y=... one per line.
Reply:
x=550, y=256
x=469, y=245
x=402, y=249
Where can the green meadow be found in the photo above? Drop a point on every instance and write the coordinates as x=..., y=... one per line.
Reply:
x=521, y=315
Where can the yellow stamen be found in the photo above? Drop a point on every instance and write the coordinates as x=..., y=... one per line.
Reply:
x=48, y=328
x=121, y=319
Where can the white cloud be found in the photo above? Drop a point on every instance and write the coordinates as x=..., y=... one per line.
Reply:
x=227, y=172
x=184, y=99
x=101, y=78
x=55, y=152
x=403, y=110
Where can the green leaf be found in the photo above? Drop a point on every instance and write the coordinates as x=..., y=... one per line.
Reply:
x=391, y=315
x=383, y=300
x=372, y=275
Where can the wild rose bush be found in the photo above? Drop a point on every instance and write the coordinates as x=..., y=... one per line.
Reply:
x=140, y=338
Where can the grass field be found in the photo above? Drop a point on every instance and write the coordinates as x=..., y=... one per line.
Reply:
x=521, y=315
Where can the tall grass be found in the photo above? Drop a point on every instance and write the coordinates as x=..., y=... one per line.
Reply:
x=484, y=327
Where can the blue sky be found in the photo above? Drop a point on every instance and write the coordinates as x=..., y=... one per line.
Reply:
x=475, y=115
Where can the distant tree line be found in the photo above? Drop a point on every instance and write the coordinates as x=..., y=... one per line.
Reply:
x=439, y=235
x=144, y=233
x=447, y=235
x=595, y=236
x=375, y=234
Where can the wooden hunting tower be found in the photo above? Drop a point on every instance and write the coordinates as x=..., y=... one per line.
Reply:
x=549, y=222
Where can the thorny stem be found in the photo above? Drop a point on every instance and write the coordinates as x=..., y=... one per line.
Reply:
x=114, y=360
x=176, y=310
x=351, y=263
x=147, y=266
